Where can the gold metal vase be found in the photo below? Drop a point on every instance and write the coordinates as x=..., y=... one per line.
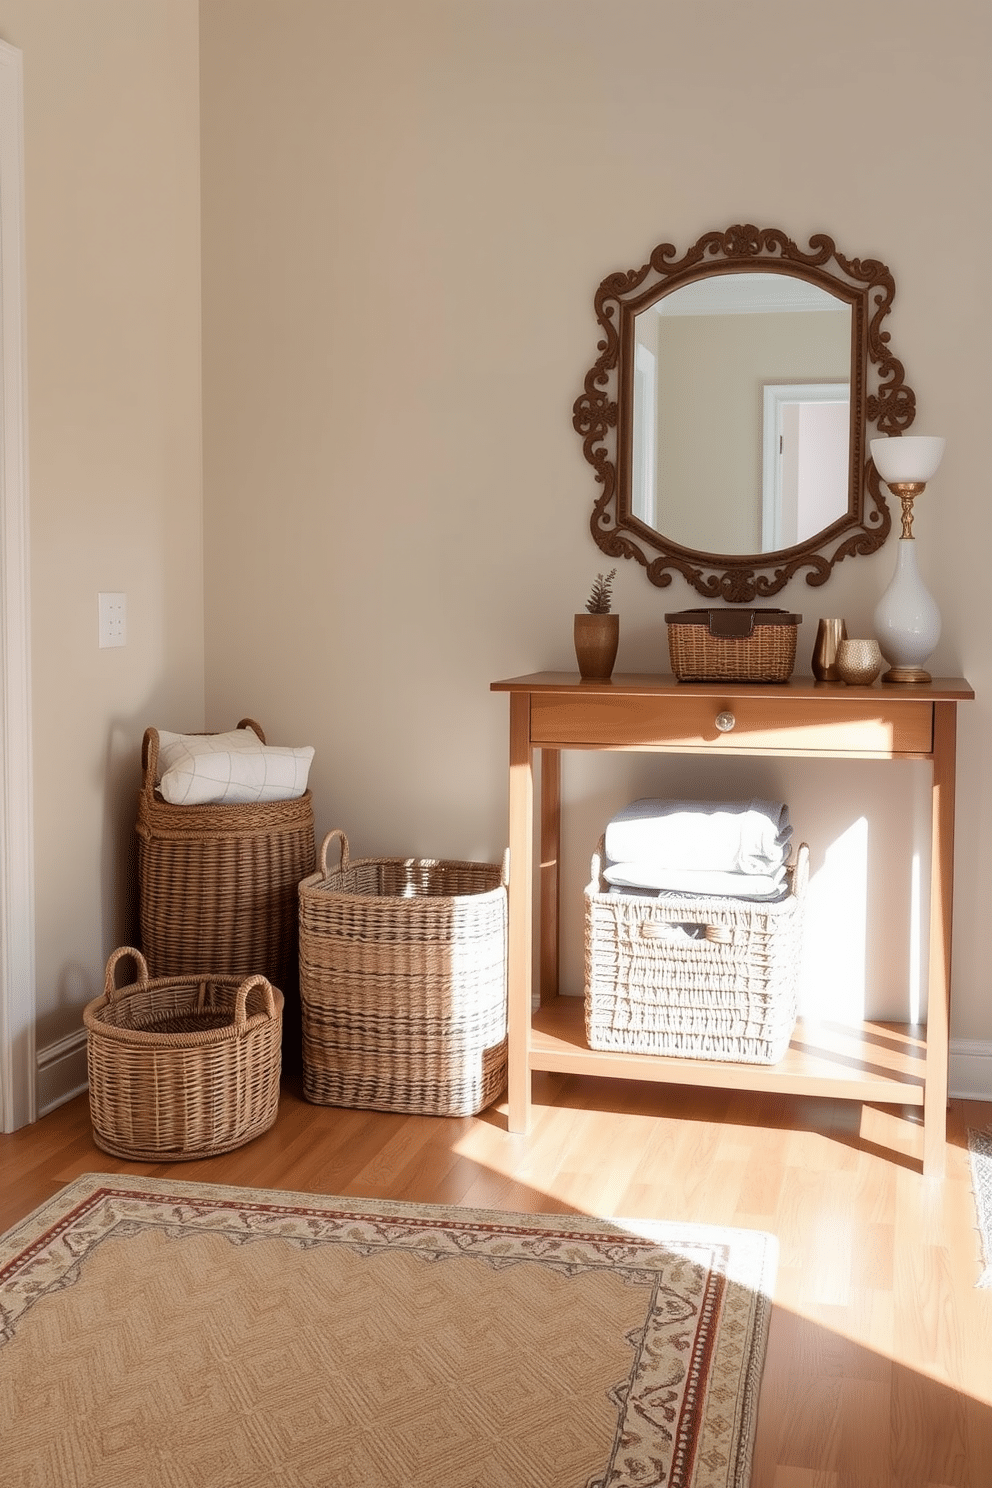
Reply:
x=829, y=634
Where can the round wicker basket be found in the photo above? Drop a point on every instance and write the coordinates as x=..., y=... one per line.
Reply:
x=182, y=1067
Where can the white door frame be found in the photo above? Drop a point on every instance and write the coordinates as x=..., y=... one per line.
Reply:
x=17, y=949
x=775, y=397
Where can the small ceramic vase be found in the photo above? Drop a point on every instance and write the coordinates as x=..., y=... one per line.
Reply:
x=596, y=640
x=859, y=662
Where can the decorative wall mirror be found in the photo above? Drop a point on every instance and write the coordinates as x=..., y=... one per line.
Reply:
x=727, y=414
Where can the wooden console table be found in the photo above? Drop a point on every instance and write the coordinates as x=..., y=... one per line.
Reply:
x=894, y=1064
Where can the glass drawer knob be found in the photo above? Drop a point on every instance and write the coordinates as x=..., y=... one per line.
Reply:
x=725, y=722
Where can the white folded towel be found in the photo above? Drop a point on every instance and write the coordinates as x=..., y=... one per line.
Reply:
x=718, y=836
x=651, y=879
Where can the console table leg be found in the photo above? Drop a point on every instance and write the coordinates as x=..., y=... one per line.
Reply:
x=520, y=903
x=550, y=876
x=941, y=896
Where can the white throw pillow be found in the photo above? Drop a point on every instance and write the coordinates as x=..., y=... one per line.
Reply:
x=229, y=769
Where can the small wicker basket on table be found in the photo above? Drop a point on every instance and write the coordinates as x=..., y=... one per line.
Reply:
x=403, y=983
x=731, y=994
x=732, y=645
x=182, y=1067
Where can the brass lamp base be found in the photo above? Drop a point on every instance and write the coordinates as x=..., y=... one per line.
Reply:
x=906, y=674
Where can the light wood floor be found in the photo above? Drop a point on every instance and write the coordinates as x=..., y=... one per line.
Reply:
x=879, y=1370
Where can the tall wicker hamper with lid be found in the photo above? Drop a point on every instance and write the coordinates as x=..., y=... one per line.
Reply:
x=218, y=883
x=731, y=994
x=403, y=983
x=182, y=1067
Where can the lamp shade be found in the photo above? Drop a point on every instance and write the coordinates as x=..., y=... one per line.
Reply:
x=907, y=457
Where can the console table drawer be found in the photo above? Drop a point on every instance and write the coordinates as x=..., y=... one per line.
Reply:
x=760, y=724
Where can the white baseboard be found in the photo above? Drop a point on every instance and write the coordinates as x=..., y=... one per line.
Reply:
x=970, y=1069
x=61, y=1071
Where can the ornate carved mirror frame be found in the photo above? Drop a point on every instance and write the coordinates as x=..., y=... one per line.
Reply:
x=604, y=413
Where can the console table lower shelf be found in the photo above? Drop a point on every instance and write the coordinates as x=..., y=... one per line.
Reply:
x=883, y=1063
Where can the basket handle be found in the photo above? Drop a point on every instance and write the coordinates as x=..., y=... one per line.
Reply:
x=596, y=867
x=337, y=832
x=256, y=728
x=110, y=988
x=149, y=762
x=241, y=999
x=712, y=934
x=731, y=624
x=504, y=872
x=800, y=871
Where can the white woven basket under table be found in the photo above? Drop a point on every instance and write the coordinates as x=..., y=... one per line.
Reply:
x=731, y=994
x=403, y=983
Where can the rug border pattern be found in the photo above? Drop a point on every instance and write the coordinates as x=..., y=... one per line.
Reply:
x=731, y=1271
x=980, y=1158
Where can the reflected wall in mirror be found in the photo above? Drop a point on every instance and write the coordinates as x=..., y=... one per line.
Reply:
x=727, y=414
x=768, y=357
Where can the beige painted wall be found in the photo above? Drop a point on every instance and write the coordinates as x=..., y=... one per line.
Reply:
x=407, y=209
x=113, y=328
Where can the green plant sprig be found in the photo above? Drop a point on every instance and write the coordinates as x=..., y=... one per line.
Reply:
x=601, y=598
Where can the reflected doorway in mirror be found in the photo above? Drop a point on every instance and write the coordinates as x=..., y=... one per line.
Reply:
x=805, y=466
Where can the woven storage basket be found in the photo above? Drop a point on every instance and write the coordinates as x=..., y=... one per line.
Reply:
x=403, y=983
x=732, y=645
x=731, y=995
x=218, y=883
x=182, y=1067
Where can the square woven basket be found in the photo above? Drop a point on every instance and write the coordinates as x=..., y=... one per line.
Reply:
x=732, y=645
x=403, y=983
x=182, y=1067
x=730, y=995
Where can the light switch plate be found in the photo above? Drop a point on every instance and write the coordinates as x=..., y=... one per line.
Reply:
x=113, y=620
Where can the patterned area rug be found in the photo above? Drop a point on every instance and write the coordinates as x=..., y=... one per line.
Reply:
x=196, y=1335
x=980, y=1152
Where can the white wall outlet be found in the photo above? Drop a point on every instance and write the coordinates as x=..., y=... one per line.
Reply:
x=113, y=620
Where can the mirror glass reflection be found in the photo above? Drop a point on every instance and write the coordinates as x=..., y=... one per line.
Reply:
x=741, y=430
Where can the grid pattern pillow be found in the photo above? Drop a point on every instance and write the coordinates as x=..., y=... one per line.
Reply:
x=229, y=769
